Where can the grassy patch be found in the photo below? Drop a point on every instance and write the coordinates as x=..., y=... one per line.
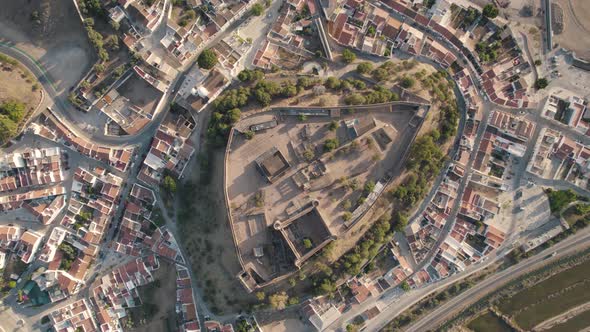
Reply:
x=576, y=323
x=558, y=199
x=489, y=322
x=575, y=213
x=550, y=297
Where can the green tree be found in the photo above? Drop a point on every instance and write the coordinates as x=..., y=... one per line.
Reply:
x=401, y=221
x=333, y=83
x=348, y=56
x=541, y=83
x=490, y=11
x=257, y=9
x=370, y=186
x=99, y=68
x=331, y=144
x=346, y=216
x=207, y=59
x=380, y=74
x=260, y=296
x=355, y=99
x=169, y=184
x=14, y=110
x=346, y=204
x=407, y=82
x=263, y=97
x=364, y=68
x=333, y=125
x=307, y=243
x=405, y=286
x=278, y=301
x=327, y=287
x=233, y=115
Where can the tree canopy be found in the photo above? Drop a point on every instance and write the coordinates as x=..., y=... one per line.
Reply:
x=490, y=11
x=207, y=59
x=364, y=68
x=348, y=56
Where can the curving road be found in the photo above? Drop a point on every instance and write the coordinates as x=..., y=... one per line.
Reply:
x=62, y=107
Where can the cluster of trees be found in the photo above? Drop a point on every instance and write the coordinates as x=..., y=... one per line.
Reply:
x=96, y=40
x=388, y=69
x=346, y=84
x=227, y=105
x=248, y=75
x=69, y=254
x=559, y=199
x=378, y=94
x=438, y=85
x=470, y=17
x=368, y=247
x=11, y=114
x=220, y=124
x=281, y=300
x=265, y=91
x=91, y=7
x=487, y=52
x=232, y=98
x=426, y=158
x=412, y=190
x=449, y=120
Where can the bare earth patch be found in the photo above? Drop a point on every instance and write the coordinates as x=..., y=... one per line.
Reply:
x=50, y=31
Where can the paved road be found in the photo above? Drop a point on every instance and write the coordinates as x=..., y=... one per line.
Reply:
x=565, y=248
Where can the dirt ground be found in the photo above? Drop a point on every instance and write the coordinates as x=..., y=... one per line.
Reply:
x=209, y=245
x=576, y=33
x=140, y=93
x=20, y=85
x=159, y=300
x=57, y=35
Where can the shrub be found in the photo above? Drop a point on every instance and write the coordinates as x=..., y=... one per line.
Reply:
x=407, y=82
x=355, y=99
x=541, y=83
x=257, y=9
x=15, y=111
x=333, y=83
x=490, y=11
x=405, y=286
x=347, y=216
x=333, y=125
x=348, y=56
x=169, y=184
x=364, y=68
x=330, y=144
